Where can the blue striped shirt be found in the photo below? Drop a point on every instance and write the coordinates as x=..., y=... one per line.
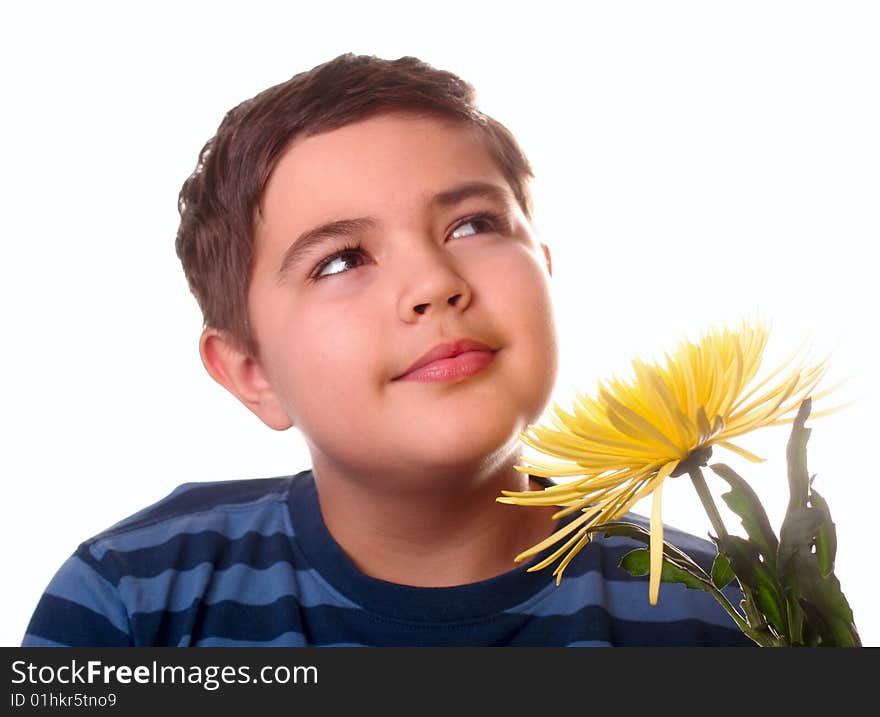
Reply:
x=251, y=563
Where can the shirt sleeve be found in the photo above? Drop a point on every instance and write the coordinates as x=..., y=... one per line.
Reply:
x=80, y=608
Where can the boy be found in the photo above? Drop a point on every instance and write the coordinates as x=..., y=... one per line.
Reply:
x=359, y=240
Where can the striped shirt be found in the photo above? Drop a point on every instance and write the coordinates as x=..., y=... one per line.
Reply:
x=251, y=563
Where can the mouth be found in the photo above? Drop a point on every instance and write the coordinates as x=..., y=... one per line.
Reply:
x=450, y=361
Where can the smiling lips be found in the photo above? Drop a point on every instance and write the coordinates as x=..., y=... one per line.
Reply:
x=449, y=361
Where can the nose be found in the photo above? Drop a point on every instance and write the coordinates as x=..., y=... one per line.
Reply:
x=433, y=286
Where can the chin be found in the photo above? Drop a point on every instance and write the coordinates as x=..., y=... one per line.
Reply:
x=467, y=445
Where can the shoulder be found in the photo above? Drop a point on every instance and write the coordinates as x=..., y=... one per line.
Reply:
x=196, y=522
x=195, y=503
x=135, y=566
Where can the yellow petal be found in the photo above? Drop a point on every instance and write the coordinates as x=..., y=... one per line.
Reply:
x=557, y=536
x=568, y=558
x=656, y=546
x=656, y=551
x=748, y=455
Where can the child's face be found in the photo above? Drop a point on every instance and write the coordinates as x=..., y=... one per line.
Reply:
x=341, y=324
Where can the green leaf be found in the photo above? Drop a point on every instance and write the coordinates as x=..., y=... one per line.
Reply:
x=743, y=501
x=824, y=605
x=677, y=566
x=637, y=532
x=826, y=538
x=722, y=572
x=637, y=563
x=752, y=572
x=754, y=616
x=797, y=535
x=835, y=627
x=801, y=522
x=807, y=548
x=796, y=454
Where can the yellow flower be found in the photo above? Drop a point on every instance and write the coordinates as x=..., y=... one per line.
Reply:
x=664, y=422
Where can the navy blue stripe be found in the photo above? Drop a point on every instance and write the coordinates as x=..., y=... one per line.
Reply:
x=328, y=625
x=229, y=619
x=185, y=551
x=73, y=624
x=593, y=623
x=201, y=498
x=681, y=633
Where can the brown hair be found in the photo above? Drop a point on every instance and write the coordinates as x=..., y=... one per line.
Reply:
x=219, y=202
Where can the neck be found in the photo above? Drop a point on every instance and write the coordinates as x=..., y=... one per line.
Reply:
x=448, y=530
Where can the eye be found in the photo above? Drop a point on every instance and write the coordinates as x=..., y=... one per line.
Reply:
x=477, y=224
x=339, y=262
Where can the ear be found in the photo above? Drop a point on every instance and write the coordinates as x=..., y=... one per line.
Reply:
x=547, y=258
x=243, y=376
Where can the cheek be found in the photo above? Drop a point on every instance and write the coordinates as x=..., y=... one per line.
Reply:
x=523, y=298
x=520, y=292
x=331, y=358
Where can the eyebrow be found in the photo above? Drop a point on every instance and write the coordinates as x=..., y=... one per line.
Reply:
x=342, y=228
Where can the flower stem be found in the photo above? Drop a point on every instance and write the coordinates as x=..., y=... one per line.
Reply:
x=708, y=504
x=741, y=622
x=756, y=633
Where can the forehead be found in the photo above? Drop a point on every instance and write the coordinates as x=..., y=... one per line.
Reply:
x=381, y=163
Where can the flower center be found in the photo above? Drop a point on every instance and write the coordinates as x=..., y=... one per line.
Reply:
x=695, y=459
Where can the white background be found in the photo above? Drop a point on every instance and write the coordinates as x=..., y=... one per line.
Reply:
x=696, y=162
